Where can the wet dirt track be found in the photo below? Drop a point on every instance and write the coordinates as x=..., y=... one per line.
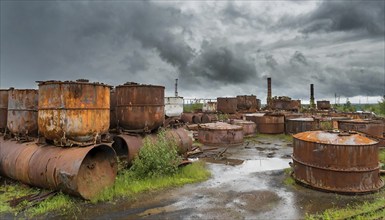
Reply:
x=255, y=189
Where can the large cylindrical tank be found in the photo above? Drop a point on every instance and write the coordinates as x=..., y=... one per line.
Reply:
x=268, y=123
x=73, y=113
x=249, y=127
x=323, y=105
x=113, y=120
x=371, y=127
x=297, y=125
x=338, y=162
x=83, y=172
x=247, y=103
x=3, y=109
x=22, y=112
x=140, y=108
x=220, y=134
x=173, y=106
x=227, y=105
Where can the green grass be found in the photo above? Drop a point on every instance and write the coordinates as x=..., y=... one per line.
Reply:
x=288, y=181
x=366, y=210
x=192, y=107
x=382, y=155
x=12, y=191
x=127, y=185
x=61, y=202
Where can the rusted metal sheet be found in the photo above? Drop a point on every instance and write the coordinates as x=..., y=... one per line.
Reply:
x=140, y=108
x=338, y=162
x=227, y=105
x=335, y=120
x=323, y=105
x=371, y=127
x=173, y=106
x=73, y=113
x=297, y=125
x=113, y=119
x=247, y=103
x=249, y=127
x=3, y=109
x=22, y=112
x=83, y=172
x=192, y=118
x=209, y=107
x=359, y=115
x=220, y=134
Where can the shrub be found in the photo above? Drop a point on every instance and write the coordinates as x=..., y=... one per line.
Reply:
x=157, y=157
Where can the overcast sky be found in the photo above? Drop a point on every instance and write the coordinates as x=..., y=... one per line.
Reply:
x=215, y=48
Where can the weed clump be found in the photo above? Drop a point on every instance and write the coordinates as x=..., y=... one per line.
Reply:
x=156, y=158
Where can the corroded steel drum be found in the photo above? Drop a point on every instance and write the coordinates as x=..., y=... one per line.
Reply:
x=207, y=118
x=372, y=127
x=323, y=105
x=247, y=103
x=83, y=172
x=249, y=127
x=140, y=108
x=220, y=134
x=73, y=113
x=227, y=105
x=3, y=109
x=113, y=120
x=22, y=112
x=192, y=118
x=297, y=125
x=267, y=123
x=338, y=162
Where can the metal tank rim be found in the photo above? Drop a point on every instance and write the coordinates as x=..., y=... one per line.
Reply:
x=301, y=137
x=139, y=85
x=361, y=121
x=51, y=82
x=219, y=127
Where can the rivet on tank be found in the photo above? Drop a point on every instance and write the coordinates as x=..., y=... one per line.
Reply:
x=73, y=112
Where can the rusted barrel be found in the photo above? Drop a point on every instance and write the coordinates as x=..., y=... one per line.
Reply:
x=271, y=124
x=247, y=103
x=73, y=113
x=343, y=163
x=22, y=112
x=207, y=118
x=140, y=108
x=249, y=127
x=192, y=118
x=3, y=109
x=323, y=105
x=297, y=125
x=227, y=105
x=220, y=134
x=372, y=127
x=113, y=119
x=83, y=172
x=128, y=146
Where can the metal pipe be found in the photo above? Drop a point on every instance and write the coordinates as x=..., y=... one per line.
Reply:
x=83, y=172
x=269, y=94
x=176, y=87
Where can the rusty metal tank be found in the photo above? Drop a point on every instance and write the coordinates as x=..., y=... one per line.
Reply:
x=73, y=113
x=207, y=118
x=374, y=128
x=249, y=127
x=220, y=134
x=22, y=112
x=192, y=118
x=323, y=105
x=227, y=105
x=140, y=108
x=83, y=172
x=297, y=125
x=337, y=162
x=3, y=109
x=247, y=103
x=113, y=120
x=268, y=123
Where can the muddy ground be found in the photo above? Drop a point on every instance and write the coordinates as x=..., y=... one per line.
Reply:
x=248, y=182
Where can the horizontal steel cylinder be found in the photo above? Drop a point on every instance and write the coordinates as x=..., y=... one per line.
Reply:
x=83, y=172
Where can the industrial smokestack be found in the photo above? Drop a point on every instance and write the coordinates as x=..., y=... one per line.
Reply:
x=176, y=87
x=268, y=91
x=312, y=103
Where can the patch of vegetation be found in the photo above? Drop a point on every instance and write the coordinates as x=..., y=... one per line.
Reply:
x=284, y=137
x=12, y=191
x=366, y=210
x=326, y=125
x=382, y=155
x=288, y=181
x=192, y=107
x=223, y=117
x=61, y=202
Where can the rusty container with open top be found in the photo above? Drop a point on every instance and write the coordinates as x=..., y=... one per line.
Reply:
x=220, y=134
x=83, y=172
x=3, y=109
x=247, y=103
x=227, y=105
x=297, y=125
x=249, y=127
x=140, y=108
x=113, y=120
x=73, y=112
x=337, y=162
x=268, y=123
x=22, y=112
x=323, y=105
x=374, y=128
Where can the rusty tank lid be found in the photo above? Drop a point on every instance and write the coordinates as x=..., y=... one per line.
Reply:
x=334, y=138
x=255, y=115
x=134, y=84
x=362, y=121
x=240, y=122
x=301, y=119
x=219, y=126
x=78, y=81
